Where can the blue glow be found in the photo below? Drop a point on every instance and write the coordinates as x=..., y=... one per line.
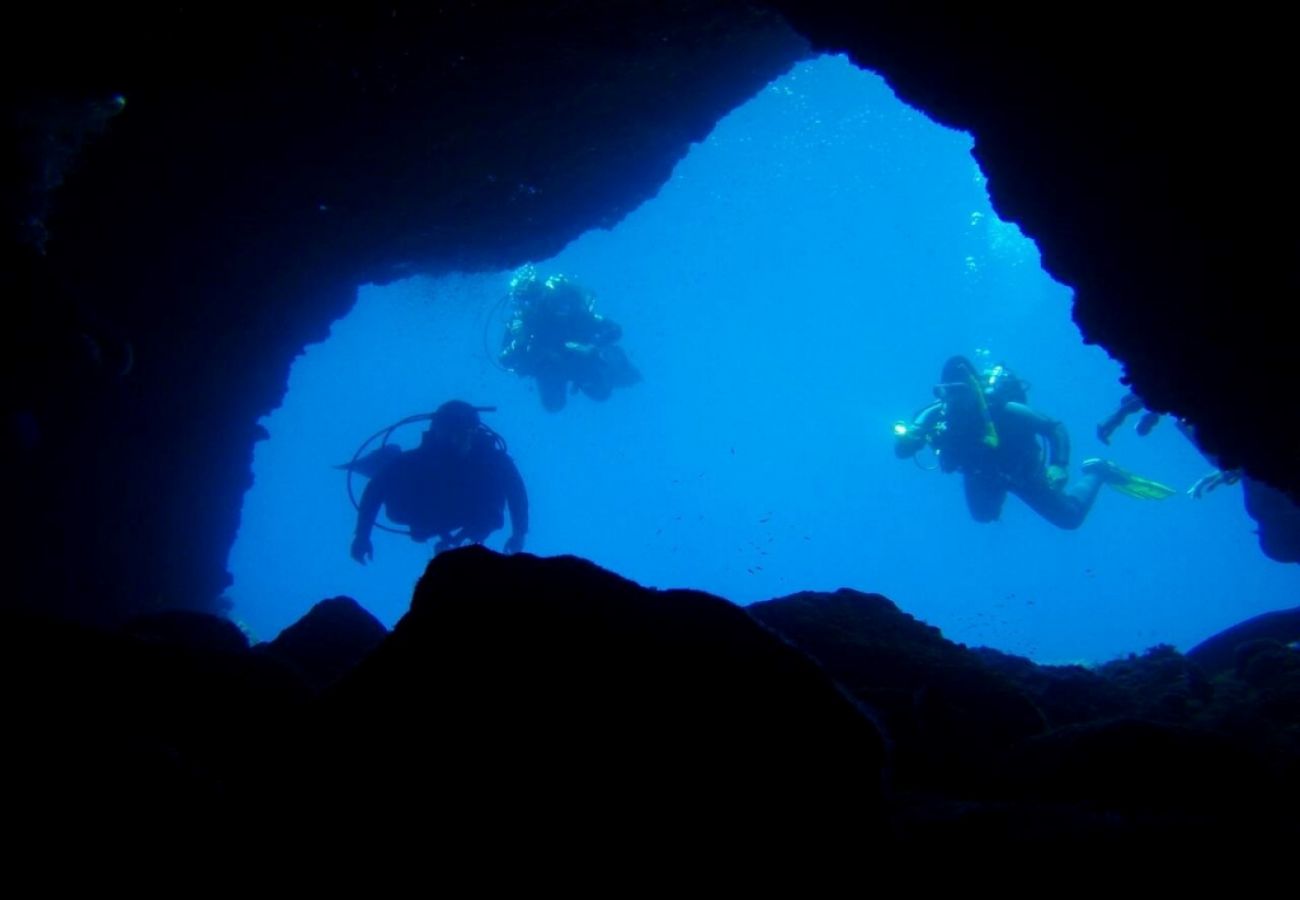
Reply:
x=789, y=296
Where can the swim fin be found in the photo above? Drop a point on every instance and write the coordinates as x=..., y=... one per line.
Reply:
x=1126, y=482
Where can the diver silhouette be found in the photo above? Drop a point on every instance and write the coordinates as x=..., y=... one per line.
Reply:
x=556, y=336
x=454, y=486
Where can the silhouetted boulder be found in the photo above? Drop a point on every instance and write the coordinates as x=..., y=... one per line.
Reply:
x=1165, y=685
x=1148, y=771
x=155, y=728
x=579, y=707
x=328, y=641
x=948, y=714
x=1277, y=517
x=1218, y=653
x=197, y=631
x=1067, y=695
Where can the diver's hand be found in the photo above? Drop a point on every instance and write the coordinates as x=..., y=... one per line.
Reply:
x=514, y=544
x=362, y=549
x=1057, y=477
x=908, y=440
x=1207, y=483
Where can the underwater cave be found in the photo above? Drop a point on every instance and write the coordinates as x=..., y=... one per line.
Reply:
x=236, y=246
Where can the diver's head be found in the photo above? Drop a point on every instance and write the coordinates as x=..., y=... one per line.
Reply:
x=1001, y=385
x=566, y=297
x=957, y=382
x=959, y=390
x=525, y=286
x=961, y=383
x=958, y=369
x=454, y=424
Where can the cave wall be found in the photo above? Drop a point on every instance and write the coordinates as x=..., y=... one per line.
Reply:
x=170, y=255
x=176, y=252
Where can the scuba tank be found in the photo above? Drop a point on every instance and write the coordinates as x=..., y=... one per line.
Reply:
x=960, y=379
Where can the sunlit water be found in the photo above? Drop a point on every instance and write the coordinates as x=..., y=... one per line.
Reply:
x=790, y=293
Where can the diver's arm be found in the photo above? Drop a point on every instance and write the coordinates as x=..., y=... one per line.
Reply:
x=927, y=418
x=517, y=501
x=1131, y=403
x=605, y=331
x=371, y=499
x=909, y=442
x=1058, y=439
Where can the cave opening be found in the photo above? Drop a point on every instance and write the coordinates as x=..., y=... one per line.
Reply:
x=789, y=295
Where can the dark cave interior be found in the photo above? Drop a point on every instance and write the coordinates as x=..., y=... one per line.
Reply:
x=192, y=196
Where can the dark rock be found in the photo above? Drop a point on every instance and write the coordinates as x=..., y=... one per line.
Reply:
x=1140, y=768
x=1219, y=653
x=1278, y=518
x=328, y=641
x=193, y=631
x=1166, y=685
x=558, y=696
x=171, y=735
x=948, y=714
x=1262, y=662
x=1067, y=695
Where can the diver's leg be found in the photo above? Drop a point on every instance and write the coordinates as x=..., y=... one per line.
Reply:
x=619, y=371
x=984, y=498
x=551, y=389
x=1065, y=508
x=597, y=386
x=444, y=543
x=1129, y=405
x=587, y=370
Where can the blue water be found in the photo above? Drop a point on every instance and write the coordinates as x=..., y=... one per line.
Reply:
x=790, y=293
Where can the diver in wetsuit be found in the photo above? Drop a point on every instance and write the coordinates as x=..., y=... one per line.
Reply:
x=982, y=426
x=453, y=487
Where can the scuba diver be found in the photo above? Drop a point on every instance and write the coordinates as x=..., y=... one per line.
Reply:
x=980, y=425
x=1277, y=516
x=556, y=336
x=452, y=487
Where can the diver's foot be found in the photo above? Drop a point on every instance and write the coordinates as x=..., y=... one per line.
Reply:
x=1109, y=471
